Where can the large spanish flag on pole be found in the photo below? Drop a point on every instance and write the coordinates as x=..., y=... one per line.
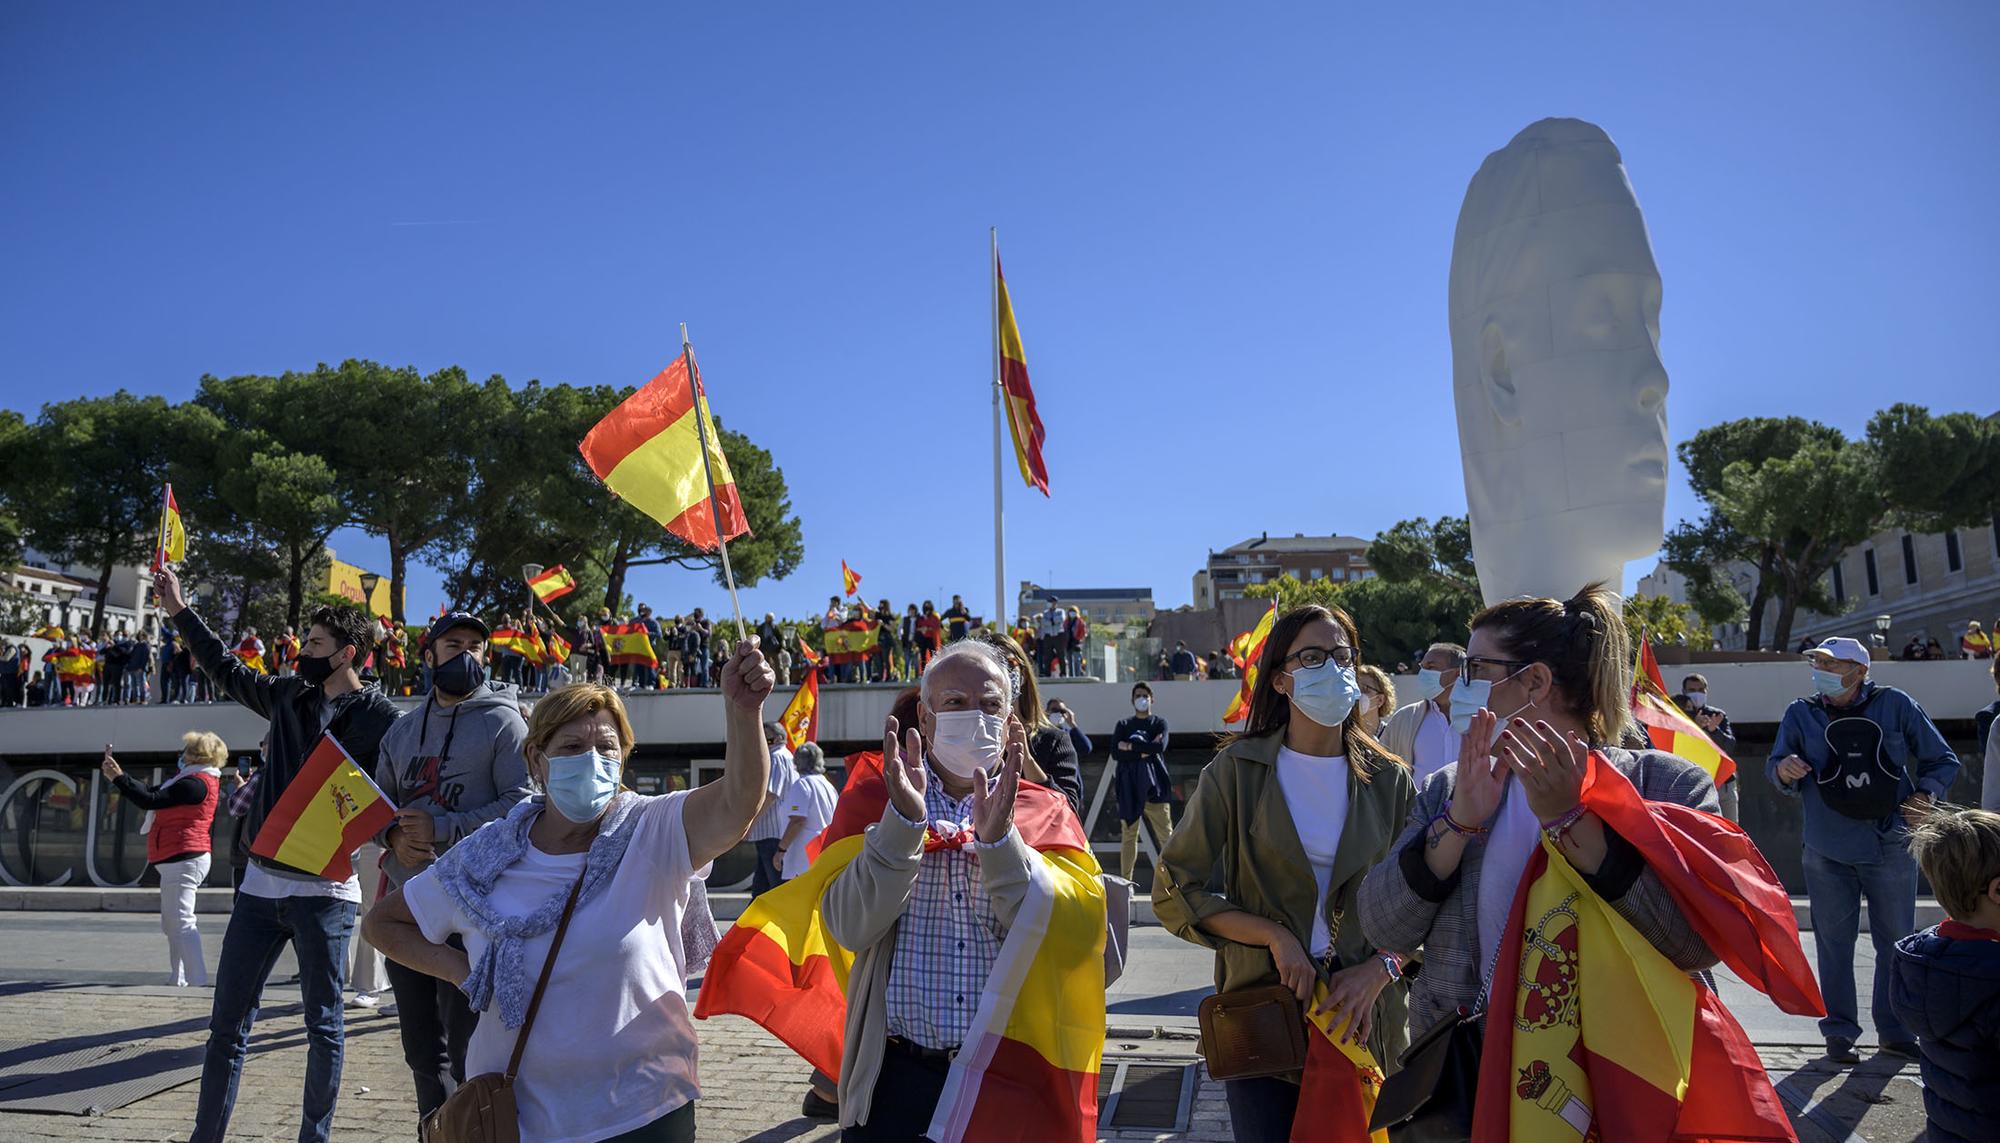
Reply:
x=1028, y=1068
x=1022, y=419
x=648, y=451
x=330, y=809
x=1594, y=1034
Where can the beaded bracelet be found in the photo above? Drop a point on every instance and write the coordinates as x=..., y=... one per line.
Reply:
x=1555, y=828
x=1450, y=823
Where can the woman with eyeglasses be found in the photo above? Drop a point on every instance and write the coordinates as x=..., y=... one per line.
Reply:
x=1378, y=697
x=1271, y=851
x=1545, y=683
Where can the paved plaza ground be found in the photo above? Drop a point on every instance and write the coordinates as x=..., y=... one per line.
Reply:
x=75, y=981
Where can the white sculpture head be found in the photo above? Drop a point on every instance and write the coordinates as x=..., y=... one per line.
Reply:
x=1556, y=372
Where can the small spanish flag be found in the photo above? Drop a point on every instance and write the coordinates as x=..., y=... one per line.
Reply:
x=1668, y=727
x=811, y=656
x=1022, y=418
x=173, y=534
x=252, y=654
x=627, y=644
x=801, y=717
x=330, y=809
x=552, y=584
x=647, y=450
x=1246, y=649
x=849, y=578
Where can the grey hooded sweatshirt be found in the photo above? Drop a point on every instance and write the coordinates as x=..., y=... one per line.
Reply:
x=462, y=762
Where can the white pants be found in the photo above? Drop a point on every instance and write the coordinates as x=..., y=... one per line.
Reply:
x=178, y=882
x=368, y=973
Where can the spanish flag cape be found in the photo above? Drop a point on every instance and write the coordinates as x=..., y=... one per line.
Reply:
x=1594, y=1034
x=1027, y=1072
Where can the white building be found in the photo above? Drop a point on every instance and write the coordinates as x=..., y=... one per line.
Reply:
x=67, y=594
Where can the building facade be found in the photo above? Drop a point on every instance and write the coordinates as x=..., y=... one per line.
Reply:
x=1263, y=558
x=1926, y=586
x=1112, y=605
x=67, y=595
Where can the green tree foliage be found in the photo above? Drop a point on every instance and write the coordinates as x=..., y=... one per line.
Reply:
x=1808, y=508
x=1939, y=472
x=1418, y=549
x=87, y=478
x=1665, y=622
x=13, y=439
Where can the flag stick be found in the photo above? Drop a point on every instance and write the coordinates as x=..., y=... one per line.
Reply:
x=160, y=551
x=708, y=472
x=999, y=528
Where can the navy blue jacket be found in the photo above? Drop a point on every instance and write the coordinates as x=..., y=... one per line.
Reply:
x=1141, y=776
x=1946, y=988
x=1909, y=739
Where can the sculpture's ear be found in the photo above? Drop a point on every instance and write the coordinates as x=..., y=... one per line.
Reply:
x=1496, y=377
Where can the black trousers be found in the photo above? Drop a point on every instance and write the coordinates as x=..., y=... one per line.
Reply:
x=765, y=877
x=1261, y=1109
x=436, y=1023
x=676, y=1126
x=906, y=1096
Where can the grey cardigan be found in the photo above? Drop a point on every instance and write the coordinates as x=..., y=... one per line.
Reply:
x=1405, y=907
x=861, y=907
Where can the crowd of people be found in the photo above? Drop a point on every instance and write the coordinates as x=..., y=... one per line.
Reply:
x=1332, y=842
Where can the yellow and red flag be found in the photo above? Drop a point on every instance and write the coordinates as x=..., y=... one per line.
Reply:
x=1337, y=1093
x=1022, y=419
x=49, y=632
x=1028, y=1066
x=648, y=451
x=627, y=644
x=75, y=664
x=512, y=640
x=172, y=548
x=849, y=578
x=1668, y=727
x=852, y=641
x=1245, y=650
x=813, y=658
x=554, y=583
x=252, y=654
x=1597, y=1035
x=557, y=649
x=801, y=717
x=328, y=810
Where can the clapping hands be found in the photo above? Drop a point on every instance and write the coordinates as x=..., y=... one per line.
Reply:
x=903, y=770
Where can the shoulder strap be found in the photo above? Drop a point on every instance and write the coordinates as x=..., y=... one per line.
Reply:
x=541, y=986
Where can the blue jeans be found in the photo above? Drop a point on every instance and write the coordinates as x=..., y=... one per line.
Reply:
x=1261, y=1109
x=319, y=929
x=1836, y=889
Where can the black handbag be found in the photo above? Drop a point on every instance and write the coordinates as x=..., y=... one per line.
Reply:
x=1430, y=1099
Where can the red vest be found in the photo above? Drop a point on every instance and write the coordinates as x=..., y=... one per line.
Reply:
x=184, y=829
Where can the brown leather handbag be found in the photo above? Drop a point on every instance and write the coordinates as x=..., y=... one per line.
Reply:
x=1249, y=1032
x=482, y=1110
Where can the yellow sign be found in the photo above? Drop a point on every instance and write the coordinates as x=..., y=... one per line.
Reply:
x=344, y=579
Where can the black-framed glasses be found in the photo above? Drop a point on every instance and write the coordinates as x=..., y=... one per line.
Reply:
x=1474, y=663
x=1310, y=657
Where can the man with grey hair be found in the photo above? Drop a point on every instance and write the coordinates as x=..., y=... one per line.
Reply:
x=808, y=808
x=1421, y=733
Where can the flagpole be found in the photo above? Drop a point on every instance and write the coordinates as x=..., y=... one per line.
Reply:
x=999, y=528
x=160, y=552
x=708, y=473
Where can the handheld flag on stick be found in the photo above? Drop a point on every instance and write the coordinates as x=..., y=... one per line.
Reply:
x=552, y=584
x=849, y=578
x=812, y=657
x=329, y=810
x=172, y=548
x=658, y=451
x=1668, y=727
x=801, y=717
x=1246, y=649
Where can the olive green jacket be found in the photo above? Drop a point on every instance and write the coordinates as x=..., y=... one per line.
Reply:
x=1236, y=847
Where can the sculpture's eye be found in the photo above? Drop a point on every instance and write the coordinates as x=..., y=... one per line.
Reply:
x=1494, y=371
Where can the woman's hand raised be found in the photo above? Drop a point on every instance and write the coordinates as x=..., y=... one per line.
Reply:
x=747, y=678
x=1475, y=795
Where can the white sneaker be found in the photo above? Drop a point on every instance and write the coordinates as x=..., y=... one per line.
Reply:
x=363, y=1000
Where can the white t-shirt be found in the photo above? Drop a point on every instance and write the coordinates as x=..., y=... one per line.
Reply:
x=261, y=882
x=812, y=798
x=1316, y=794
x=1437, y=744
x=613, y=1047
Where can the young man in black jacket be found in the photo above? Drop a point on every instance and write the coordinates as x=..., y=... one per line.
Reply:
x=276, y=903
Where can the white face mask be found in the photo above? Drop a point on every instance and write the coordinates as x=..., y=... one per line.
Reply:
x=965, y=740
x=1470, y=695
x=1142, y=704
x=1697, y=699
x=1325, y=693
x=1430, y=684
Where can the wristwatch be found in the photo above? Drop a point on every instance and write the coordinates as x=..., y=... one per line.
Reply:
x=1395, y=969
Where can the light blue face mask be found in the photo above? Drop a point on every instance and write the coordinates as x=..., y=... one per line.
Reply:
x=1325, y=693
x=1472, y=694
x=1430, y=684
x=581, y=785
x=1828, y=683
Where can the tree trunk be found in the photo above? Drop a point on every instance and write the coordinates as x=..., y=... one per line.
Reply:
x=1753, y=632
x=1788, y=608
x=103, y=591
x=614, y=586
x=399, y=565
x=295, y=586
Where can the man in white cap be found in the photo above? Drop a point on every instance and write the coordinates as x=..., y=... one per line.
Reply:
x=1868, y=763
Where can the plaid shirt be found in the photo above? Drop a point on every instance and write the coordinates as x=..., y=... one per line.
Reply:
x=948, y=939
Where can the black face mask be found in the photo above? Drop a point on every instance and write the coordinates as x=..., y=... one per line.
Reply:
x=316, y=669
x=459, y=677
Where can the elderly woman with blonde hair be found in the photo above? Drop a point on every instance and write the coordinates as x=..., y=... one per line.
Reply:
x=586, y=886
x=180, y=815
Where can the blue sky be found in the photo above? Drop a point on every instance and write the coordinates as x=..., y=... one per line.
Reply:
x=1226, y=228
